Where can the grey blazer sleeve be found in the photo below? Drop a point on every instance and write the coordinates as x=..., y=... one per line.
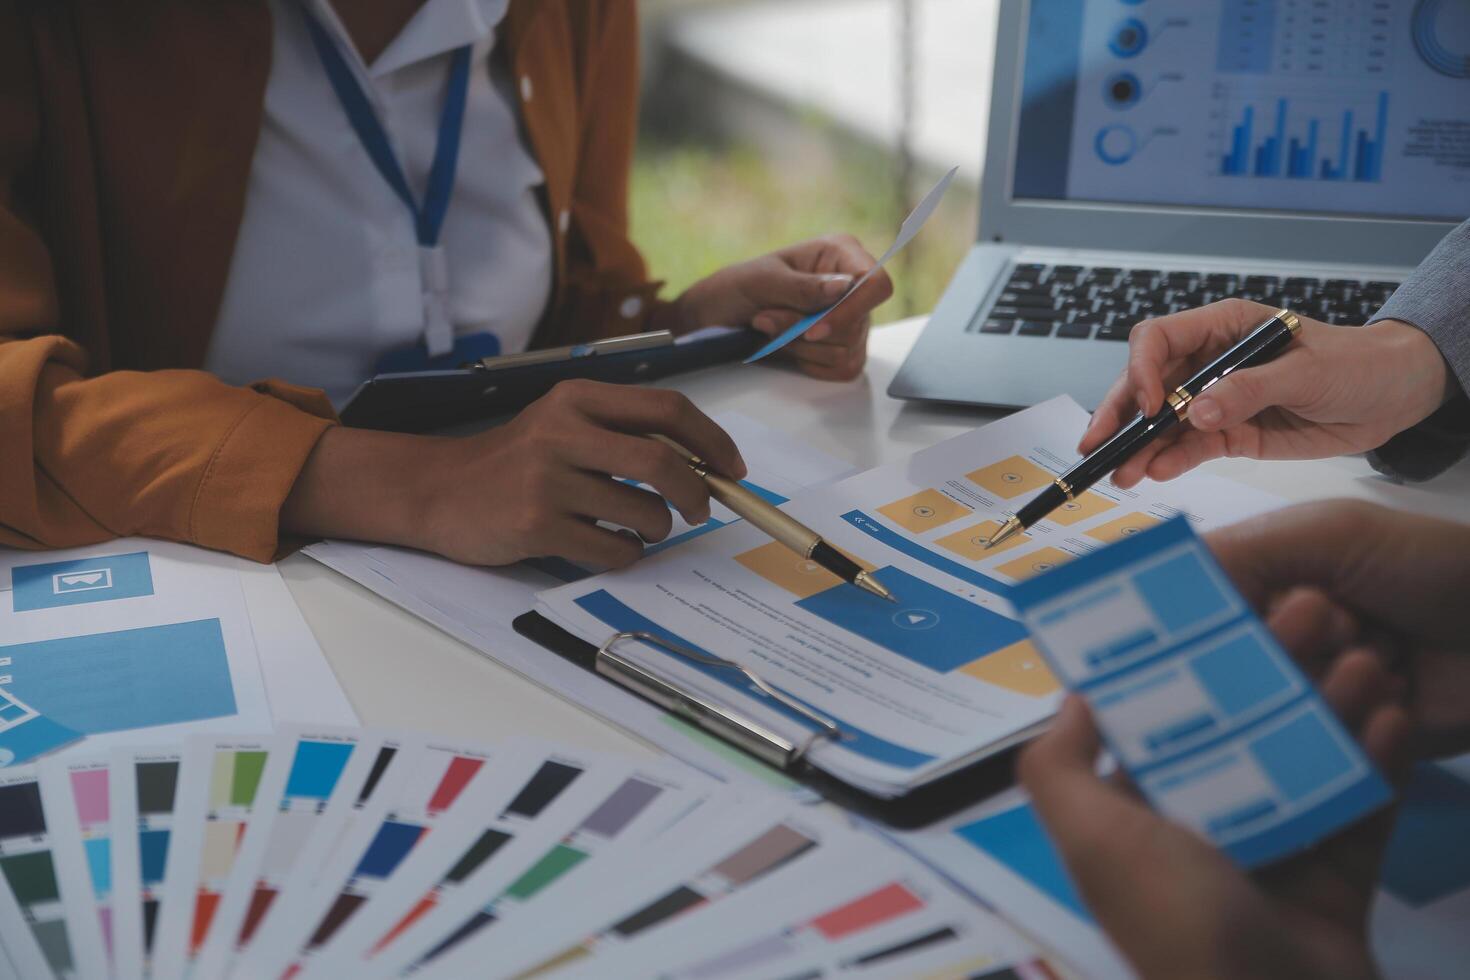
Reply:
x=1436, y=299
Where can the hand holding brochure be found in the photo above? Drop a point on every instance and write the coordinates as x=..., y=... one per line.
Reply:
x=1197, y=700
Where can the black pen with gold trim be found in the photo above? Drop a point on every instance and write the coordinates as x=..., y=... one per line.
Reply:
x=779, y=525
x=1260, y=346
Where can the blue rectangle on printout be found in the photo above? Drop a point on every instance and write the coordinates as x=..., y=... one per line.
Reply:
x=316, y=768
x=928, y=625
x=107, y=682
x=1277, y=773
x=81, y=580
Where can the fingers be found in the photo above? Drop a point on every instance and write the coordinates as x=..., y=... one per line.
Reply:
x=644, y=461
x=646, y=410
x=1313, y=628
x=1206, y=331
x=599, y=498
x=1158, y=346
x=1355, y=686
x=1316, y=544
x=584, y=542
x=1243, y=395
x=807, y=292
x=1058, y=770
x=1117, y=407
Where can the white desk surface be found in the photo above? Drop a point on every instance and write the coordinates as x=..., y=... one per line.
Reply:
x=400, y=672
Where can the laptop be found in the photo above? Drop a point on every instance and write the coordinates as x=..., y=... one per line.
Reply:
x=1146, y=158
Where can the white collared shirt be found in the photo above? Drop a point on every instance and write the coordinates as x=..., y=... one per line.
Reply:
x=327, y=275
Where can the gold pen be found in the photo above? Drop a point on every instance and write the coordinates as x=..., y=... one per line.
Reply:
x=775, y=522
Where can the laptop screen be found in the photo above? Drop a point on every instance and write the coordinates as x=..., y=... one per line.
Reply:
x=1353, y=107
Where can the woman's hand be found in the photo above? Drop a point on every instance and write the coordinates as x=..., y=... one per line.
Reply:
x=774, y=291
x=1399, y=577
x=1174, y=904
x=535, y=486
x=1335, y=390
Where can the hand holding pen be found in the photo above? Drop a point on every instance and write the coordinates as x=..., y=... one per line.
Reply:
x=1259, y=347
x=1338, y=389
x=779, y=525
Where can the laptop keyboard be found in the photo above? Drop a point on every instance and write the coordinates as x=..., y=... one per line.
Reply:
x=1105, y=303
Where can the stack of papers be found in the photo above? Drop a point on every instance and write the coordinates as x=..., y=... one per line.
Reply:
x=327, y=852
x=140, y=640
x=940, y=679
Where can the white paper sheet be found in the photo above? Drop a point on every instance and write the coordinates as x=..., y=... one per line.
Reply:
x=43, y=899
x=694, y=864
x=856, y=904
x=305, y=837
x=142, y=838
x=218, y=792
x=624, y=817
x=997, y=851
x=301, y=776
x=434, y=782
x=944, y=676
x=299, y=683
x=75, y=793
x=132, y=641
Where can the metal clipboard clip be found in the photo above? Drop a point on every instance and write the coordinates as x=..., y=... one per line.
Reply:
x=761, y=741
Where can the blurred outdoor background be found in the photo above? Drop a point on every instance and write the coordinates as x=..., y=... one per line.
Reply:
x=766, y=122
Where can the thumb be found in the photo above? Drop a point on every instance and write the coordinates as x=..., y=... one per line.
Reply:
x=1242, y=395
x=805, y=291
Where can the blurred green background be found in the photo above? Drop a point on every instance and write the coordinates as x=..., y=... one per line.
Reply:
x=766, y=122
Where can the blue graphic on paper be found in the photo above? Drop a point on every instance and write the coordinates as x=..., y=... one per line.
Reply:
x=1427, y=859
x=1017, y=840
x=929, y=626
x=107, y=682
x=1196, y=698
x=316, y=768
x=25, y=733
x=82, y=580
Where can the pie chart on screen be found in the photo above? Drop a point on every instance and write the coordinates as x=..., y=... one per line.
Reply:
x=1442, y=36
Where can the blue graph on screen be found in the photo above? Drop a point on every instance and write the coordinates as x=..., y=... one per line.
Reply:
x=1283, y=142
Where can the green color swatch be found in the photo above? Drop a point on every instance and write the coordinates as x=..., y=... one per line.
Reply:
x=248, y=767
x=557, y=862
x=32, y=877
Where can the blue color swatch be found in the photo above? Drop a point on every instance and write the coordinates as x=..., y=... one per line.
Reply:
x=99, y=863
x=1301, y=756
x=1427, y=857
x=316, y=768
x=928, y=625
x=389, y=847
x=83, y=580
x=1240, y=674
x=1180, y=592
x=152, y=855
x=107, y=682
x=1017, y=840
x=26, y=734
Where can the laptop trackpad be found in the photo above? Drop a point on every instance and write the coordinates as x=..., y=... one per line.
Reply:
x=1017, y=372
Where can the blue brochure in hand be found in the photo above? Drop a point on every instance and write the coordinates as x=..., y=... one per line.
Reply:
x=1195, y=697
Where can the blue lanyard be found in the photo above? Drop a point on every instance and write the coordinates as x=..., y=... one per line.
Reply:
x=429, y=219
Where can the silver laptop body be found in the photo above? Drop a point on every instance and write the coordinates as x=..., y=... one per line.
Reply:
x=1219, y=156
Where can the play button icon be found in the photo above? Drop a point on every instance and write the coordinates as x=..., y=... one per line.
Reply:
x=916, y=619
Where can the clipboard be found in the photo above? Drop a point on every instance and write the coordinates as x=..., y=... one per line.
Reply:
x=921, y=806
x=422, y=401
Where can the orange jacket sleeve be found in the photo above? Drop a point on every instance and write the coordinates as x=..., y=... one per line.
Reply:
x=167, y=454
